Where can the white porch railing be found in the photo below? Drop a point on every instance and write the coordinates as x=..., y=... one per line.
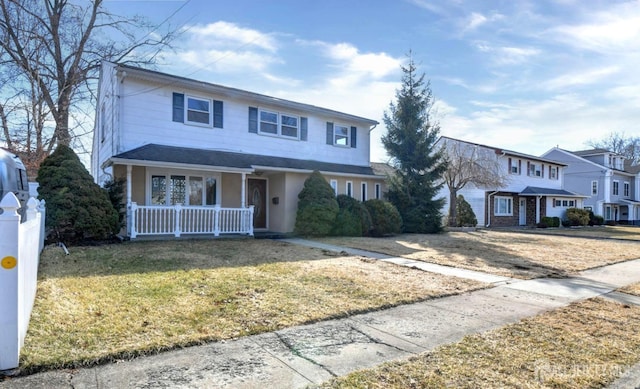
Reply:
x=179, y=220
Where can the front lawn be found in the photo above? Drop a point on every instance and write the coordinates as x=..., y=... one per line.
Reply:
x=505, y=253
x=584, y=345
x=117, y=301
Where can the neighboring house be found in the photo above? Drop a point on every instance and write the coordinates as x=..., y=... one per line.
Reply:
x=204, y=158
x=612, y=189
x=533, y=188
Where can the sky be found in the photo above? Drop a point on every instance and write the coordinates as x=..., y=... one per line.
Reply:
x=517, y=74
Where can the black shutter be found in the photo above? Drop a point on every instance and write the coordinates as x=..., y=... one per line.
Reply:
x=303, y=128
x=509, y=168
x=354, y=135
x=217, y=114
x=329, y=133
x=253, y=120
x=178, y=107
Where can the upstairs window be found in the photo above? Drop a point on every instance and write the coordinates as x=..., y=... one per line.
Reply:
x=616, y=188
x=553, y=172
x=273, y=123
x=625, y=189
x=197, y=111
x=535, y=170
x=594, y=188
x=268, y=122
x=514, y=166
x=341, y=135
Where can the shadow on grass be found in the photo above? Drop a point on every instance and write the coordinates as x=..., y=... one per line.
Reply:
x=170, y=255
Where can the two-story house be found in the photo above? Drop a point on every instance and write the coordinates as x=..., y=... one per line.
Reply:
x=612, y=189
x=532, y=187
x=204, y=158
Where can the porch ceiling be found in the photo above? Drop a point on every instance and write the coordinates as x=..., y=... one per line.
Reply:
x=154, y=154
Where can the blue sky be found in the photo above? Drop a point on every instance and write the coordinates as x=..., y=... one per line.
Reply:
x=522, y=75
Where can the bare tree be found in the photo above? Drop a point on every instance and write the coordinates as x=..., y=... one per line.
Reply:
x=470, y=164
x=619, y=143
x=53, y=50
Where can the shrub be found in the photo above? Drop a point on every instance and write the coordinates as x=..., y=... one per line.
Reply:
x=595, y=220
x=465, y=217
x=317, y=207
x=385, y=218
x=77, y=208
x=115, y=191
x=353, y=218
x=577, y=216
x=547, y=221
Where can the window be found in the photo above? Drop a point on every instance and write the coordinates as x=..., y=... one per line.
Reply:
x=197, y=111
x=363, y=191
x=340, y=135
x=558, y=203
x=185, y=190
x=565, y=203
x=349, y=191
x=553, y=172
x=535, y=170
x=334, y=185
x=515, y=166
x=503, y=206
x=572, y=203
x=273, y=123
x=616, y=188
x=377, y=188
x=625, y=189
x=594, y=188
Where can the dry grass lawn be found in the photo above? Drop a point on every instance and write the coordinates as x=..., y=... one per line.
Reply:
x=506, y=253
x=633, y=289
x=612, y=232
x=111, y=302
x=585, y=345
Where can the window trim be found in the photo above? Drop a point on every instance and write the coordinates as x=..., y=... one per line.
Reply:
x=167, y=173
x=594, y=188
x=535, y=170
x=348, y=188
x=626, y=189
x=187, y=109
x=363, y=191
x=334, y=185
x=378, y=190
x=496, y=201
x=553, y=172
x=347, y=136
x=615, y=188
x=279, y=124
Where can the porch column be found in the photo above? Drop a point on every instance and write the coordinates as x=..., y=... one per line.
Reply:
x=129, y=168
x=243, y=191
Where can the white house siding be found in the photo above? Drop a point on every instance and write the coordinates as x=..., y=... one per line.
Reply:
x=156, y=102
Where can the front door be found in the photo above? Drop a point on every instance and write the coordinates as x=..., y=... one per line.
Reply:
x=257, y=196
x=523, y=212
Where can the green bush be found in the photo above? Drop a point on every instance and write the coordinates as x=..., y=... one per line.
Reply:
x=317, y=207
x=547, y=221
x=595, y=220
x=77, y=208
x=465, y=217
x=385, y=218
x=115, y=191
x=353, y=218
x=577, y=216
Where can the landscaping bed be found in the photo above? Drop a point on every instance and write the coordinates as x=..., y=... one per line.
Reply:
x=505, y=253
x=112, y=302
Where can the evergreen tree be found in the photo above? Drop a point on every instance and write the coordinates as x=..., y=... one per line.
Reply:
x=77, y=208
x=465, y=217
x=409, y=141
x=317, y=207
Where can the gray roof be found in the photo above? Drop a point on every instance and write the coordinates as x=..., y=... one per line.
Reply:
x=584, y=153
x=383, y=169
x=537, y=191
x=226, y=159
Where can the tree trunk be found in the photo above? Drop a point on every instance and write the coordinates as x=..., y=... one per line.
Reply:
x=453, y=199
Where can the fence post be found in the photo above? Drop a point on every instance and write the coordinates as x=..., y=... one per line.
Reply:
x=43, y=217
x=9, y=332
x=131, y=216
x=216, y=221
x=250, y=220
x=177, y=230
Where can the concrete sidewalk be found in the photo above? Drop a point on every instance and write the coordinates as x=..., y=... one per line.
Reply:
x=306, y=355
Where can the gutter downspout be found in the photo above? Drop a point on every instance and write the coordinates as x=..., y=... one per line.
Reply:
x=489, y=208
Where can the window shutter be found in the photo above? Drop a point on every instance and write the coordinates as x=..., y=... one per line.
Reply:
x=354, y=135
x=520, y=166
x=509, y=168
x=553, y=201
x=528, y=168
x=329, y=133
x=253, y=120
x=217, y=114
x=303, y=128
x=542, y=170
x=178, y=107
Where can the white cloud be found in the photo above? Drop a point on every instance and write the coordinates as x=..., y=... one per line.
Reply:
x=507, y=55
x=574, y=78
x=227, y=61
x=229, y=34
x=475, y=20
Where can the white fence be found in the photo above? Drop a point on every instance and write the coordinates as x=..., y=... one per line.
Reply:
x=178, y=220
x=20, y=247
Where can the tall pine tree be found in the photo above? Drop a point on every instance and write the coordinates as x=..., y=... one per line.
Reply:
x=409, y=141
